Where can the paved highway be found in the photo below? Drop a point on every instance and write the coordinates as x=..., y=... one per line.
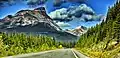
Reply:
x=61, y=53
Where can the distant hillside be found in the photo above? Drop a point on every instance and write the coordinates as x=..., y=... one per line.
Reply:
x=103, y=40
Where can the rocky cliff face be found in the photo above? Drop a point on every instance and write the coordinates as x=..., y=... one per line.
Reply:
x=34, y=21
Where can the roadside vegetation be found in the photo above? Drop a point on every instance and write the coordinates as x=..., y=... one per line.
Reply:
x=103, y=40
x=20, y=43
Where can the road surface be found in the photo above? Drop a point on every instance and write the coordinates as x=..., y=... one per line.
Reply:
x=61, y=53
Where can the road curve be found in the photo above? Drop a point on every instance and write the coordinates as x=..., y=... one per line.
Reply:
x=61, y=53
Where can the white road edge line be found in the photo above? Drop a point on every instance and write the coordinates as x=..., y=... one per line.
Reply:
x=74, y=54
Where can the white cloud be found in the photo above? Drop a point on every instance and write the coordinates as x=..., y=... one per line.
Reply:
x=62, y=24
x=81, y=12
x=59, y=14
x=83, y=8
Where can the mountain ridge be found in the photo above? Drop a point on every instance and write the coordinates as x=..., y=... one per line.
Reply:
x=34, y=21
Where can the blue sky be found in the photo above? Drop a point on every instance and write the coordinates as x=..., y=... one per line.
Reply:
x=99, y=6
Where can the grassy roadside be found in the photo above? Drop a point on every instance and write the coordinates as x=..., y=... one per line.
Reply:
x=95, y=52
x=100, y=54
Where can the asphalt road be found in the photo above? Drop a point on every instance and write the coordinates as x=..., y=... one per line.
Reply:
x=61, y=53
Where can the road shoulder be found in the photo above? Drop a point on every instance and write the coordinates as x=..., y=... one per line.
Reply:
x=78, y=54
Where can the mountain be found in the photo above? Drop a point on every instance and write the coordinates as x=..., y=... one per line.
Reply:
x=26, y=19
x=103, y=40
x=33, y=21
x=78, y=30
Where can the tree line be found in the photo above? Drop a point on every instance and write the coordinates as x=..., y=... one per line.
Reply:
x=20, y=43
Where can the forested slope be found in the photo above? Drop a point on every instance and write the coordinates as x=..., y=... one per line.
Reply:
x=103, y=40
